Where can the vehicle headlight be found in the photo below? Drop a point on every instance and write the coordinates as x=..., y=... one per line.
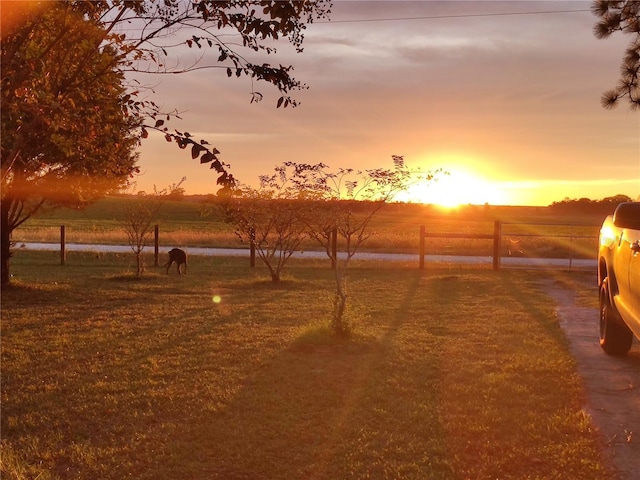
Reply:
x=607, y=236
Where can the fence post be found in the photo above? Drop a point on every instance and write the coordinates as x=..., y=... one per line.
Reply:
x=252, y=247
x=422, y=232
x=156, y=245
x=497, y=240
x=571, y=250
x=334, y=248
x=63, y=251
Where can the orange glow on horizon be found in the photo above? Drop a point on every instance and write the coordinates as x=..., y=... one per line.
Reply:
x=457, y=188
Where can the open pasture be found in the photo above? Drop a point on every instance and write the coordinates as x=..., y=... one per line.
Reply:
x=527, y=231
x=453, y=373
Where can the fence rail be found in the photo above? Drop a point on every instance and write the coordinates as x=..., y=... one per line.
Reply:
x=561, y=241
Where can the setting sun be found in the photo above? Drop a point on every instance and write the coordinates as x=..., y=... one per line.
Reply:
x=456, y=188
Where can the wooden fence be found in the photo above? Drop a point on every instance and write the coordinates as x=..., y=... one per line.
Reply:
x=525, y=231
x=496, y=241
x=496, y=238
x=156, y=247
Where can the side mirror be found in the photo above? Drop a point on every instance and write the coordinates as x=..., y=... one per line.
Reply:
x=627, y=215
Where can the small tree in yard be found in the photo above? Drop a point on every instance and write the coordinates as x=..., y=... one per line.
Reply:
x=139, y=215
x=302, y=200
x=270, y=218
x=346, y=201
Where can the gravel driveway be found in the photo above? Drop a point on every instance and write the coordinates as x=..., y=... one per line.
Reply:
x=612, y=383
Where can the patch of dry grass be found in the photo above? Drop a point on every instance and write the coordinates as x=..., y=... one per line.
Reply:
x=453, y=373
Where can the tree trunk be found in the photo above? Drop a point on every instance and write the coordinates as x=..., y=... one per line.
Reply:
x=5, y=242
x=275, y=273
x=340, y=305
x=140, y=263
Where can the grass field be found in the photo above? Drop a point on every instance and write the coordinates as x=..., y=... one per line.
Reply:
x=454, y=373
x=527, y=231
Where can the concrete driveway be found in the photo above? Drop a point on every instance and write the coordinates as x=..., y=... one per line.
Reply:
x=612, y=384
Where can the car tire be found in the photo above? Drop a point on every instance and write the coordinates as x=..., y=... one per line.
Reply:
x=615, y=336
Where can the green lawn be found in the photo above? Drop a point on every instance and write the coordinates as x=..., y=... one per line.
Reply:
x=454, y=373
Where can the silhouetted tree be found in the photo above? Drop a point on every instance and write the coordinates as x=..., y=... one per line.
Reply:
x=621, y=16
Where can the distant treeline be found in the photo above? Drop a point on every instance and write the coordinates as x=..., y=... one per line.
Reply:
x=567, y=206
x=586, y=205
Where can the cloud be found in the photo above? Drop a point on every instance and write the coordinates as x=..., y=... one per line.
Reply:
x=518, y=97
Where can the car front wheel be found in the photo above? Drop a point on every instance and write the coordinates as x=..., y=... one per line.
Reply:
x=615, y=336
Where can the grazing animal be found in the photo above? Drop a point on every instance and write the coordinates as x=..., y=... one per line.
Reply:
x=180, y=258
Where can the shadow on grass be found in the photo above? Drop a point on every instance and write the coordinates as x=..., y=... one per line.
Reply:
x=326, y=407
x=320, y=337
x=335, y=411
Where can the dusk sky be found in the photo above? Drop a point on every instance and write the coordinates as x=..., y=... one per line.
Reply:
x=508, y=104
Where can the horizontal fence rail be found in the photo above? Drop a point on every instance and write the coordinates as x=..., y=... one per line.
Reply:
x=495, y=237
x=533, y=240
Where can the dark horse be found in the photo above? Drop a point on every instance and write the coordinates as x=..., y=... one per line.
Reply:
x=178, y=256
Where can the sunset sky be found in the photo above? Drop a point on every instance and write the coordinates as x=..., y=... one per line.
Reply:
x=508, y=104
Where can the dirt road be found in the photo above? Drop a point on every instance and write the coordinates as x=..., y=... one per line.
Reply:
x=612, y=384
